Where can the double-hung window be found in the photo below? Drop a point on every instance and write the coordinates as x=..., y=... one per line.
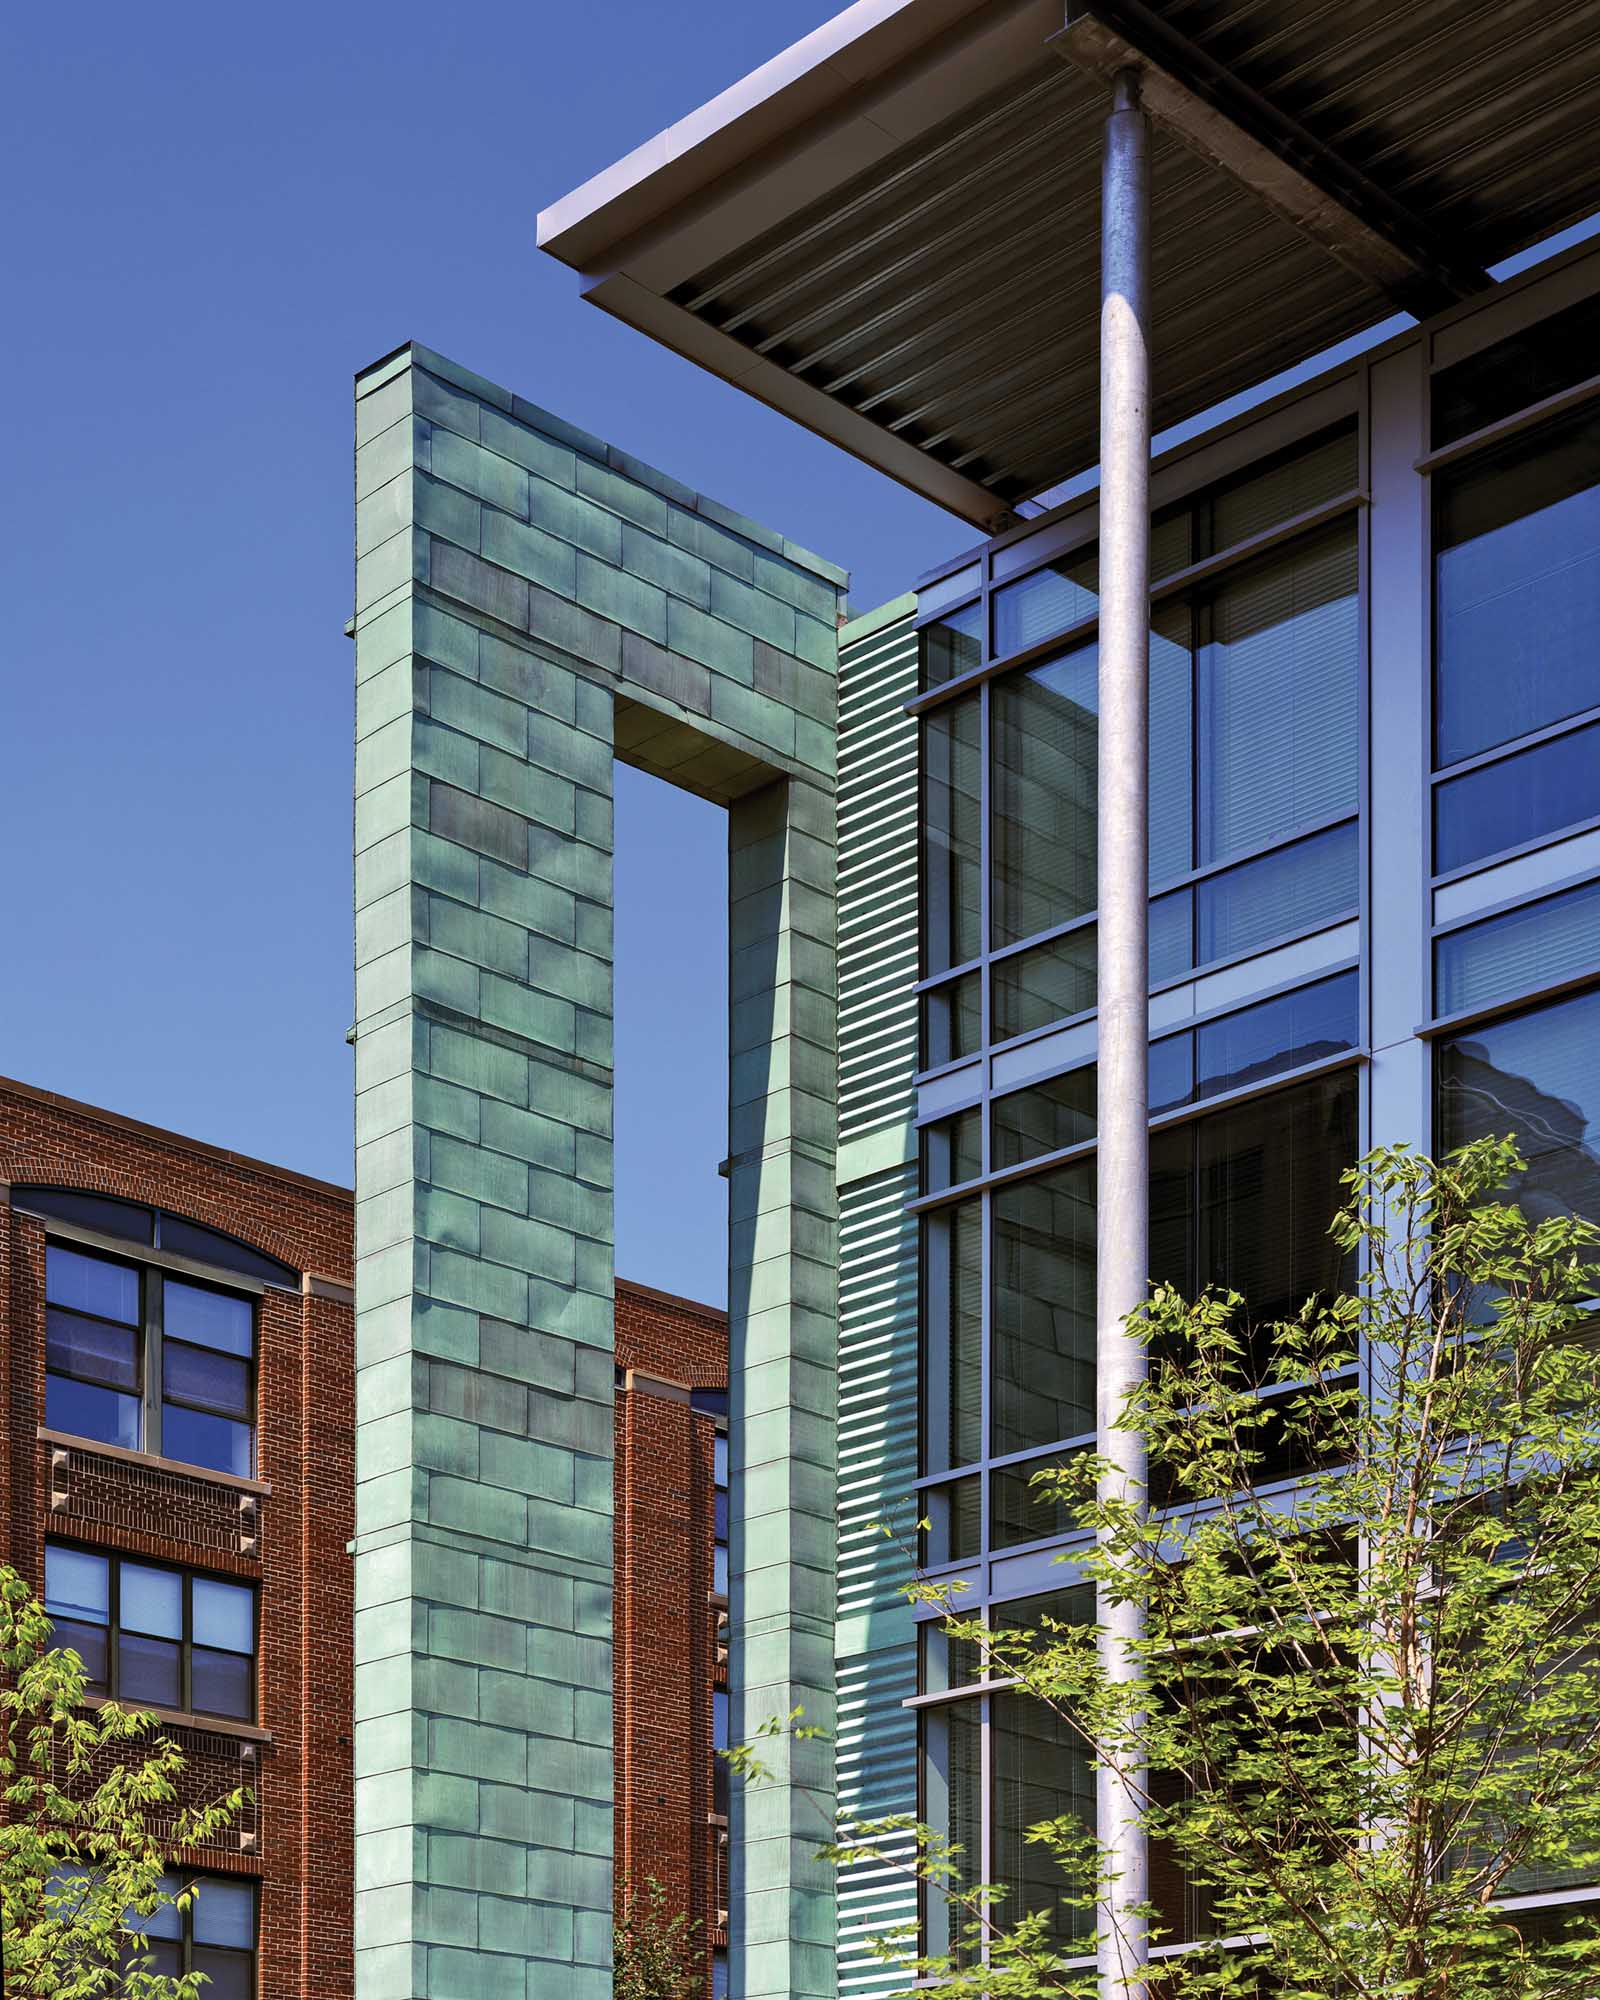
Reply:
x=139, y=1358
x=153, y=1636
x=214, y=1936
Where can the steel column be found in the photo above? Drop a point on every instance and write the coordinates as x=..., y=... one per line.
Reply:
x=1122, y=1231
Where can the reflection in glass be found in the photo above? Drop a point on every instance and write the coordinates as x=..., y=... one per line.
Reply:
x=1171, y=1075
x=1552, y=355
x=1019, y=1512
x=1302, y=478
x=91, y=1285
x=1046, y=730
x=952, y=885
x=1043, y=1331
x=1300, y=1027
x=1527, y=796
x=1051, y=983
x=953, y=1400
x=1537, y=944
x=213, y=1319
x=1041, y=1772
x=1048, y=601
x=1537, y=1078
x=953, y=646
x=1044, y=1118
x=1296, y=889
x=952, y=1150
x=1517, y=588
x=952, y=1020
x=1171, y=936
x=1277, y=696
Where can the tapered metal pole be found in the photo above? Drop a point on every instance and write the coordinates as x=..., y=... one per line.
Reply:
x=1124, y=1141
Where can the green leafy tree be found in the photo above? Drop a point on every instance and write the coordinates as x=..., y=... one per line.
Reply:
x=653, y=1951
x=1366, y=1706
x=88, y=1820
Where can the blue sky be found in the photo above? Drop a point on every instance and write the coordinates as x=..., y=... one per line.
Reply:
x=214, y=218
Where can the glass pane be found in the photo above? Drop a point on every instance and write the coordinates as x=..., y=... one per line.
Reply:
x=92, y=1349
x=220, y=1683
x=201, y=1376
x=1171, y=1073
x=224, y=1615
x=952, y=884
x=954, y=1517
x=92, y=1644
x=218, y=1443
x=719, y=1569
x=1277, y=683
x=1505, y=378
x=1046, y=731
x=151, y=1601
x=161, y=1957
x=1171, y=936
x=1295, y=1028
x=91, y=1284
x=1018, y=1513
x=76, y=1584
x=1322, y=470
x=148, y=1671
x=953, y=1757
x=1036, y=607
x=1536, y=945
x=229, y=1974
x=1041, y=1773
x=1171, y=742
x=1044, y=1118
x=214, y=1319
x=953, y=646
x=952, y=1150
x=210, y=1246
x=952, y=1020
x=1051, y=983
x=106, y=1416
x=1298, y=889
x=719, y=1458
x=1529, y=796
x=90, y=1211
x=1517, y=589
x=954, y=1239
x=1537, y=1077
x=166, y=1922
x=720, y=1511
x=1266, y=1189
x=1043, y=1335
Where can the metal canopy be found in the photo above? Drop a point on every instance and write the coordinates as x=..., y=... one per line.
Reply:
x=891, y=232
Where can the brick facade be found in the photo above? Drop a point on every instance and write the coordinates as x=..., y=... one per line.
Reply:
x=669, y=1624
x=286, y=1530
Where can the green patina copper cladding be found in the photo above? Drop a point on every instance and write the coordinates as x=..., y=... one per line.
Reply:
x=878, y=1410
x=529, y=603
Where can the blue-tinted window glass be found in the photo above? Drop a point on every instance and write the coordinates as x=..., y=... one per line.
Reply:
x=152, y=1601
x=1298, y=888
x=224, y=1615
x=1527, y=796
x=1537, y=1078
x=1171, y=743
x=225, y=1914
x=164, y=1922
x=1171, y=936
x=149, y=1670
x=719, y=1569
x=76, y=1584
x=196, y=1438
x=1044, y=1118
x=1036, y=607
x=210, y=1246
x=1171, y=1073
x=220, y=1683
x=952, y=884
x=206, y=1380
x=214, y=1319
x=1045, y=732
x=953, y=646
x=83, y=1409
x=1278, y=1034
x=1517, y=589
x=91, y=1285
x=101, y=1212
x=1539, y=944
x=1277, y=693
x=92, y=1350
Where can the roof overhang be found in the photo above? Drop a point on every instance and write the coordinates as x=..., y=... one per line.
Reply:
x=891, y=231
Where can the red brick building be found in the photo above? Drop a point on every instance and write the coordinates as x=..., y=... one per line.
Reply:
x=671, y=1606
x=177, y=1477
x=177, y=1480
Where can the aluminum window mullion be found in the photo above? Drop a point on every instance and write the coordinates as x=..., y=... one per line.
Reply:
x=154, y=1338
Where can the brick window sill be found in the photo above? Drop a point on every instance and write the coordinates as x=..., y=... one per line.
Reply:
x=178, y=1718
x=177, y=1466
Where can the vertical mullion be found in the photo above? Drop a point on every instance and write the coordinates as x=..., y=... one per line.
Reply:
x=185, y=1676
x=986, y=1843
x=154, y=1336
x=986, y=1218
x=114, y=1634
